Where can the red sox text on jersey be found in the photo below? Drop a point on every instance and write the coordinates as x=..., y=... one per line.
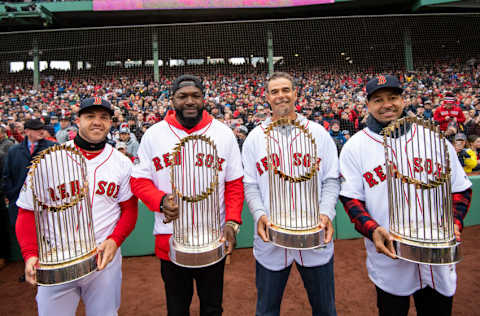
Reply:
x=378, y=174
x=298, y=160
x=168, y=160
x=65, y=190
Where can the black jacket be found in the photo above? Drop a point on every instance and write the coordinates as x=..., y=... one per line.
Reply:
x=15, y=169
x=5, y=144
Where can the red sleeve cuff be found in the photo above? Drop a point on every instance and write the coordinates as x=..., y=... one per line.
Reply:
x=26, y=233
x=127, y=221
x=234, y=196
x=360, y=216
x=146, y=191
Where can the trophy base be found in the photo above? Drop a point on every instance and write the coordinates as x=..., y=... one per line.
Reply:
x=300, y=240
x=56, y=274
x=198, y=257
x=443, y=255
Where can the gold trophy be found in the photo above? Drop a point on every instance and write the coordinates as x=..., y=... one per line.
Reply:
x=419, y=192
x=63, y=216
x=197, y=232
x=293, y=179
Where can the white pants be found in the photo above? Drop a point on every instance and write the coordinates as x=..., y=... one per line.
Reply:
x=100, y=292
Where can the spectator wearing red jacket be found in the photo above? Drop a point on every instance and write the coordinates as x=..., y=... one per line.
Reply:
x=448, y=112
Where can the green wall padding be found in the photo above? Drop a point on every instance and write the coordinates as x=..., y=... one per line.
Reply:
x=245, y=237
x=473, y=215
x=141, y=241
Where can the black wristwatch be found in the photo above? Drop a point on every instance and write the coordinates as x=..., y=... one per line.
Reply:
x=161, y=203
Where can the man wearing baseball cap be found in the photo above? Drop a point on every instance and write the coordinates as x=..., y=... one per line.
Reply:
x=114, y=212
x=362, y=165
x=151, y=183
x=65, y=130
x=131, y=143
x=448, y=112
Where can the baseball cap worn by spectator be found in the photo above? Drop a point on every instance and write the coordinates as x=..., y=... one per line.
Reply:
x=460, y=136
x=34, y=124
x=95, y=102
x=382, y=82
x=124, y=130
x=449, y=98
x=242, y=129
x=187, y=81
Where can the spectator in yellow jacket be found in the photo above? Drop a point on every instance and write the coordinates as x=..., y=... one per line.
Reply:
x=473, y=151
x=467, y=157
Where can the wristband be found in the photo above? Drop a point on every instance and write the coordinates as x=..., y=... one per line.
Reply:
x=161, y=203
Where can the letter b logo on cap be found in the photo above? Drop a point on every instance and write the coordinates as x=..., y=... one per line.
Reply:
x=97, y=101
x=381, y=80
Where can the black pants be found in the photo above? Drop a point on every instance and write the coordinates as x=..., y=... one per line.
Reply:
x=427, y=302
x=179, y=288
x=4, y=230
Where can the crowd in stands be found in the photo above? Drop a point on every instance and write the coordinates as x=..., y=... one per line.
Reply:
x=445, y=93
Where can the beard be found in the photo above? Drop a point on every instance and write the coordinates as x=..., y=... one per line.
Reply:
x=189, y=122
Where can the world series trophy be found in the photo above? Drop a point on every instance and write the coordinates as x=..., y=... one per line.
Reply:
x=197, y=232
x=419, y=192
x=63, y=216
x=292, y=170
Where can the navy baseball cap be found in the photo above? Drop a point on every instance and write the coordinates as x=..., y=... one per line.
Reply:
x=381, y=82
x=185, y=81
x=96, y=102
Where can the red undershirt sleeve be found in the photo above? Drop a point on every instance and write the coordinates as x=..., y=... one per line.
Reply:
x=146, y=191
x=461, y=204
x=127, y=221
x=26, y=233
x=360, y=216
x=234, y=196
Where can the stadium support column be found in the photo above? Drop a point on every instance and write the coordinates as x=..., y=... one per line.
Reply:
x=156, y=75
x=270, y=52
x=407, y=45
x=36, y=65
x=4, y=66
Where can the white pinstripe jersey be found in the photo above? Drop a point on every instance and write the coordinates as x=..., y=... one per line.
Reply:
x=155, y=161
x=362, y=166
x=108, y=177
x=254, y=155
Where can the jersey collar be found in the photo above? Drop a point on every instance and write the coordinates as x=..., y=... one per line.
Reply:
x=93, y=158
x=172, y=120
x=377, y=127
